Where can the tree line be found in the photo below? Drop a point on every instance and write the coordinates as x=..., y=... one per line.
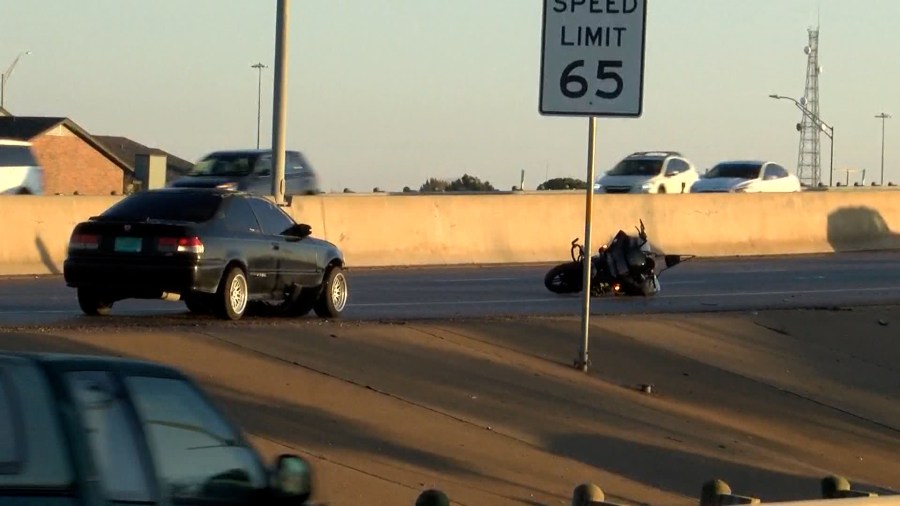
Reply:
x=468, y=183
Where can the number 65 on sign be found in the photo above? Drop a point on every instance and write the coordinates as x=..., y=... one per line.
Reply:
x=592, y=57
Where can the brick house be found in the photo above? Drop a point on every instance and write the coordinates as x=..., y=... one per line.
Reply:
x=75, y=161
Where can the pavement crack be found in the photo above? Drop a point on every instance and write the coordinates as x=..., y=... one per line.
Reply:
x=773, y=329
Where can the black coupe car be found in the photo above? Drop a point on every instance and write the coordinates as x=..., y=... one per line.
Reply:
x=217, y=250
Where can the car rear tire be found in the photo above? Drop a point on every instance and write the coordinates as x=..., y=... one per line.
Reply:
x=93, y=303
x=334, y=294
x=232, y=295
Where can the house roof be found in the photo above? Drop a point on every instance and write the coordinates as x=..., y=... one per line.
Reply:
x=27, y=128
x=127, y=150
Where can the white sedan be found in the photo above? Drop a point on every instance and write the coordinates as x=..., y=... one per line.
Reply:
x=747, y=177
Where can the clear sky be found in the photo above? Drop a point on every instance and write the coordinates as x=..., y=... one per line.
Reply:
x=388, y=93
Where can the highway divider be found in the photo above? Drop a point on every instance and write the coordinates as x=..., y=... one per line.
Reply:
x=524, y=227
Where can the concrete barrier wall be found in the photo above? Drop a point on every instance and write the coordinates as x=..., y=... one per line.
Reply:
x=386, y=230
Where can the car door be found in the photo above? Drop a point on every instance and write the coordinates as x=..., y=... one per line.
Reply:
x=246, y=240
x=200, y=457
x=676, y=176
x=297, y=259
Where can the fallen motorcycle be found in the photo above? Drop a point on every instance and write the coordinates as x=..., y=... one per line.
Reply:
x=626, y=265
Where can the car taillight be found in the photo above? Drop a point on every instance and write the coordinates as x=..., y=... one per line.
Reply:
x=84, y=241
x=180, y=244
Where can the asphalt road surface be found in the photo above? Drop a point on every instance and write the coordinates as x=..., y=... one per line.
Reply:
x=841, y=279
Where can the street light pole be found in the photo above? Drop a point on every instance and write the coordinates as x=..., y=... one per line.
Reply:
x=4, y=77
x=822, y=126
x=883, y=116
x=258, y=67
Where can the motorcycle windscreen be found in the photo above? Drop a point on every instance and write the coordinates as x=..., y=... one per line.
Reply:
x=616, y=257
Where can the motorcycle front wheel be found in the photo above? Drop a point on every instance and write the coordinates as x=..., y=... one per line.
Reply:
x=564, y=278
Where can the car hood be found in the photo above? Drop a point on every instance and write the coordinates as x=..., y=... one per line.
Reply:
x=203, y=181
x=719, y=183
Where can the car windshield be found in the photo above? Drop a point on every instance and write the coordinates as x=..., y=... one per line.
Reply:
x=637, y=167
x=225, y=164
x=735, y=170
x=194, y=207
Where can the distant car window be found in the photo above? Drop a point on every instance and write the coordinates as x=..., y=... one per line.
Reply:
x=224, y=164
x=197, y=453
x=239, y=216
x=735, y=170
x=273, y=220
x=11, y=432
x=778, y=171
x=46, y=463
x=111, y=435
x=637, y=167
x=16, y=156
x=263, y=166
x=676, y=166
x=194, y=207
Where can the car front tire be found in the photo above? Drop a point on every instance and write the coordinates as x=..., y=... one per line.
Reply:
x=333, y=297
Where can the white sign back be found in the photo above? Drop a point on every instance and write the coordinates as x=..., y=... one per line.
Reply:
x=592, y=57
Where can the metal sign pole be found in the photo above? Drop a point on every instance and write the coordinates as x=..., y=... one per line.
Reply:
x=584, y=361
x=592, y=64
x=280, y=100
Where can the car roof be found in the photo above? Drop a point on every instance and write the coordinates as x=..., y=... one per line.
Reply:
x=247, y=151
x=654, y=154
x=76, y=360
x=743, y=162
x=191, y=189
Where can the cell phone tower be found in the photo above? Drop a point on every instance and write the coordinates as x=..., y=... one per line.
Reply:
x=808, y=159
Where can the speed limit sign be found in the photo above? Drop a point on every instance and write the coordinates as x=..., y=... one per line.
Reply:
x=592, y=57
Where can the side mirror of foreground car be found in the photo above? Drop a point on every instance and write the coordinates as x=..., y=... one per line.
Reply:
x=291, y=480
x=299, y=231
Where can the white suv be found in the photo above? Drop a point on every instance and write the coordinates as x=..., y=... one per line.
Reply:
x=649, y=172
x=20, y=172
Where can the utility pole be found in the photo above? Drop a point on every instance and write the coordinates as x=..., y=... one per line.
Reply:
x=883, y=116
x=258, y=67
x=279, y=116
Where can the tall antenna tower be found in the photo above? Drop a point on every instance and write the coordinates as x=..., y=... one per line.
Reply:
x=808, y=159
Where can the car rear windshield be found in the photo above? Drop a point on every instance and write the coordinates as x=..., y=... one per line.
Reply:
x=637, y=167
x=16, y=156
x=194, y=207
x=735, y=170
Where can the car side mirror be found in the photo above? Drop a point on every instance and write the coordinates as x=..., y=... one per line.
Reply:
x=298, y=231
x=291, y=480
